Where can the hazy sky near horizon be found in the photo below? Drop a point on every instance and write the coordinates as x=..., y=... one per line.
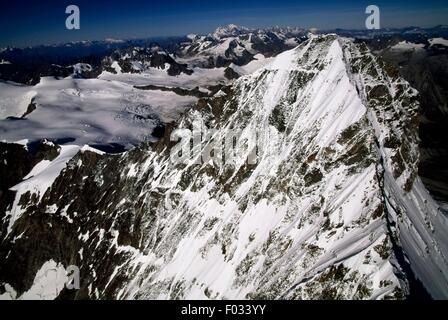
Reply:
x=24, y=23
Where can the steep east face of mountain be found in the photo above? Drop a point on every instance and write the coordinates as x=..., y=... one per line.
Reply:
x=225, y=46
x=333, y=206
x=32, y=75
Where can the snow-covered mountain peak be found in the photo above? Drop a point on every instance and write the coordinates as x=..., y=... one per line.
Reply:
x=230, y=30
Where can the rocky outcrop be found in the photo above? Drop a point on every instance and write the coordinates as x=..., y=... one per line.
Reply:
x=426, y=70
x=135, y=60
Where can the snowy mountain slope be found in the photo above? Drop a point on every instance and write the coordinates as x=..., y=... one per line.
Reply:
x=331, y=208
x=425, y=67
x=231, y=30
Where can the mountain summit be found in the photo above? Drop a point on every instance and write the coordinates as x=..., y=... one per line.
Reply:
x=230, y=30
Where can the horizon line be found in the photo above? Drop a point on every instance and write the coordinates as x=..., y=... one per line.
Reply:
x=128, y=39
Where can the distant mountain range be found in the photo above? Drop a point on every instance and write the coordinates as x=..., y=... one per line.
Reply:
x=345, y=195
x=230, y=44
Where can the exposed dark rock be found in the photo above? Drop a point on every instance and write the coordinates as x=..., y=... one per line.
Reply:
x=31, y=107
x=196, y=92
x=231, y=74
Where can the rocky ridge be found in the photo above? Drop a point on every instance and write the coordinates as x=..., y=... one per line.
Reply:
x=333, y=207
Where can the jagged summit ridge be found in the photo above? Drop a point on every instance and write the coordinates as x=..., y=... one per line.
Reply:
x=229, y=31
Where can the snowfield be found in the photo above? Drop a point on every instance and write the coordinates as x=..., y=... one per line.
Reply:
x=91, y=111
x=104, y=110
x=439, y=41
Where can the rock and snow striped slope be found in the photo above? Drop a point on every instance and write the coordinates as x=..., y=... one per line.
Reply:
x=332, y=209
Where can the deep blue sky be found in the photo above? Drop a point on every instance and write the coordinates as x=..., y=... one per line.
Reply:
x=24, y=23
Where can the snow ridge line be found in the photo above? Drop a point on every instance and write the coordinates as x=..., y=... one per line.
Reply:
x=422, y=283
